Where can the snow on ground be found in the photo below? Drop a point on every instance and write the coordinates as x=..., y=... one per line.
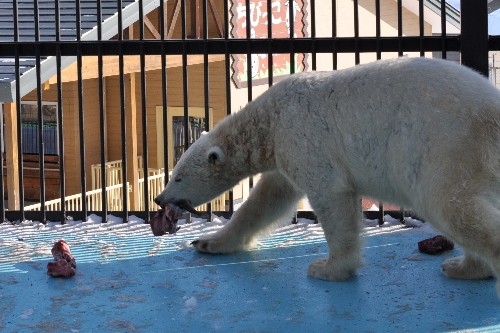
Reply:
x=93, y=241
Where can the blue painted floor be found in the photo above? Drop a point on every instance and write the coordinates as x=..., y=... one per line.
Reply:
x=129, y=281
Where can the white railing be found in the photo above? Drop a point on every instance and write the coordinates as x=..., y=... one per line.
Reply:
x=156, y=184
x=114, y=195
x=113, y=173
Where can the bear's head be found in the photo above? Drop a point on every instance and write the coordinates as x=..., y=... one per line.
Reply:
x=203, y=172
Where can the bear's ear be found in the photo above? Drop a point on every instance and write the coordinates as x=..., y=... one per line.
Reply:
x=215, y=155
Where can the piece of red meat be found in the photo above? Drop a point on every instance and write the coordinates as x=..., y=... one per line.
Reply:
x=165, y=220
x=64, y=264
x=60, y=268
x=435, y=245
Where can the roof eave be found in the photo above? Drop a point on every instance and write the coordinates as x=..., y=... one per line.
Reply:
x=48, y=67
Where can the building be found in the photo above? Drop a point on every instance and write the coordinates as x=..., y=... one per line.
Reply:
x=81, y=109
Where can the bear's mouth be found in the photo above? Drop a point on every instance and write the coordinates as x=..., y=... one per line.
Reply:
x=186, y=205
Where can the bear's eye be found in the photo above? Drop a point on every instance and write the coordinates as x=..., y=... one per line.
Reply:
x=177, y=179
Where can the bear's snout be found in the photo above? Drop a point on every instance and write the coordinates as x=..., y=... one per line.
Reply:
x=158, y=201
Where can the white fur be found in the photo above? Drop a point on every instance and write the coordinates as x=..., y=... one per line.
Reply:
x=421, y=133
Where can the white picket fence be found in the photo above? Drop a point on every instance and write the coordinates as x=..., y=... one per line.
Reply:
x=114, y=198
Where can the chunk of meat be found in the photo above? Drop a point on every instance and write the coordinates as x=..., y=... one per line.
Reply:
x=64, y=264
x=60, y=268
x=435, y=245
x=165, y=220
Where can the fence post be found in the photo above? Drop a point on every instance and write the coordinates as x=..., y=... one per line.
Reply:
x=474, y=34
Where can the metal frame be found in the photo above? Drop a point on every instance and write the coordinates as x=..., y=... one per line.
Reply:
x=473, y=44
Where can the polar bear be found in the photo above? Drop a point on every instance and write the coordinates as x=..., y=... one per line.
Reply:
x=418, y=132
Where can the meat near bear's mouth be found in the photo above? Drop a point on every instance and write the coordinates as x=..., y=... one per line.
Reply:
x=186, y=205
x=165, y=220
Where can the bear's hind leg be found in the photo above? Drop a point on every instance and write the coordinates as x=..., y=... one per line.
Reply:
x=340, y=217
x=476, y=227
x=468, y=267
x=273, y=199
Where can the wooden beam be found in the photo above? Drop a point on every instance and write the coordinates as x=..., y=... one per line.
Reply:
x=174, y=19
x=151, y=28
x=217, y=18
x=132, y=65
x=12, y=154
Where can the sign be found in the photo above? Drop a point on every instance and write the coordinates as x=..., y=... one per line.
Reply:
x=280, y=20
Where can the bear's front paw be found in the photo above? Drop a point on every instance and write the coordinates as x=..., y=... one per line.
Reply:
x=465, y=268
x=325, y=269
x=217, y=245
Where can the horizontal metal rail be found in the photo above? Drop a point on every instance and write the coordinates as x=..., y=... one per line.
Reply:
x=235, y=46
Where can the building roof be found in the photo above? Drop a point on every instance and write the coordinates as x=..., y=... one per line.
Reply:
x=47, y=32
x=493, y=5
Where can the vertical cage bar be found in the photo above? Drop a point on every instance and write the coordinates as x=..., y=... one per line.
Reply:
x=313, y=34
x=185, y=84
x=123, y=114
x=249, y=51
x=18, y=111
x=102, y=118
x=356, y=33
x=421, y=26
x=400, y=27
x=474, y=39
x=60, y=120
x=443, y=29
x=269, y=49
x=334, y=35
x=81, y=116
x=41, y=148
x=164, y=90
x=377, y=28
x=144, y=117
x=206, y=81
x=249, y=64
x=227, y=58
x=291, y=23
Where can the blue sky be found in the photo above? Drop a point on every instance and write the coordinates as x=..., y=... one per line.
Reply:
x=493, y=18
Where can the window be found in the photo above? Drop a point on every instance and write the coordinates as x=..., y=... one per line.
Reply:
x=30, y=127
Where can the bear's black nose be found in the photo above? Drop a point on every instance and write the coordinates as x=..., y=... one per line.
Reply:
x=158, y=201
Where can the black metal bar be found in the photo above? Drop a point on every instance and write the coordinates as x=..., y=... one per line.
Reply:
x=185, y=84
x=421, y=26
x=237, y=46
x=22, y=216
x=291, y=23
x=249, y=53
x=81, y=113
x=356, y=33
x=474, y=38
x=41, y=148
x=227, y=59
x=333, y=44
x=206, y=82
x=269, y=52
x=377, y=28
x=164, y=93
x=102, y=119
x=381, y=213
x=60, y=118
x=313, y=34
x=144, y=114
x=123, y=116
x=400, y=27
x=443, y=28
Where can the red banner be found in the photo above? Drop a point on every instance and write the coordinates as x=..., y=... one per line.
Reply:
x=280, y=20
